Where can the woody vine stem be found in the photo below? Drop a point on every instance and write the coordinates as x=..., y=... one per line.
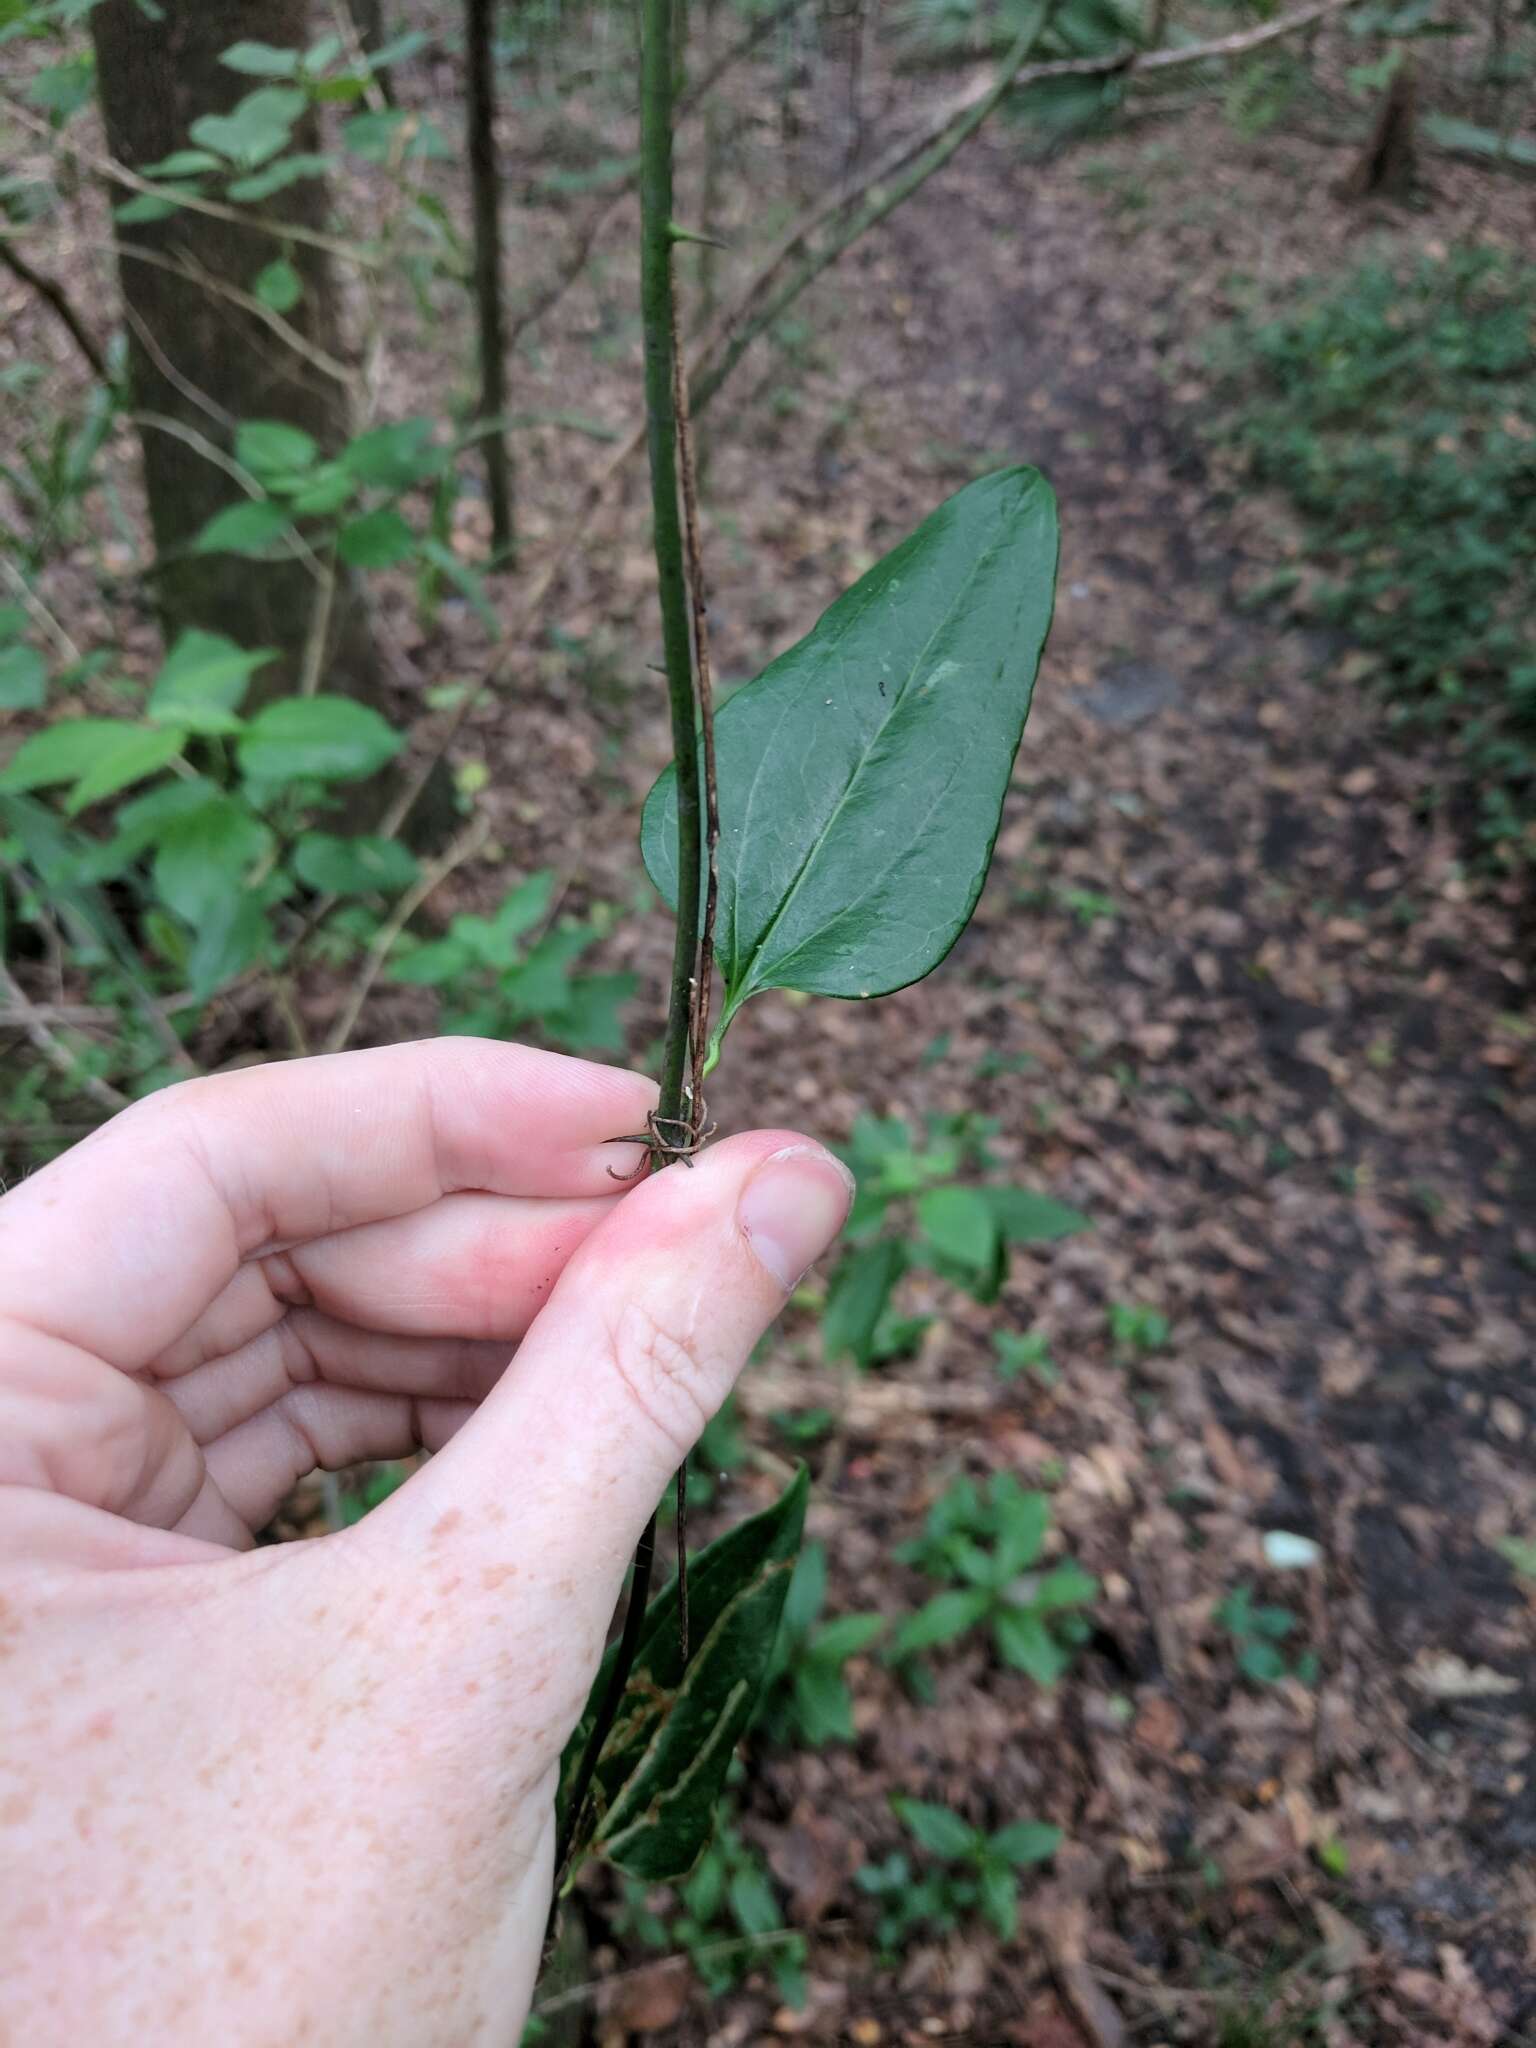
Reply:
x=677, y=1125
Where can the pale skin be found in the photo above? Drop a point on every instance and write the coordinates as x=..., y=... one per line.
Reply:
x=305, y=1792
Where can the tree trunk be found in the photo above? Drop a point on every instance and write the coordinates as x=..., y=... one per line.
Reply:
x=200, y=362
x=485, y=187
x=1387, y=167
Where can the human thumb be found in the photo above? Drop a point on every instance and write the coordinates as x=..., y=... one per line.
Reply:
x=641, y=1341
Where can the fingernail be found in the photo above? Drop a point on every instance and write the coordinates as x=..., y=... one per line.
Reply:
x=793, y=1206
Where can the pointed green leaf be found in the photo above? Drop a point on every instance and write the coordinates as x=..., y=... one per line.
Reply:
x=63, y=753
x=261, y=60
x=140, y=751
x=1025, y=1841
x=936, y=1829
x=229, y=939
x=23, y=679
x=959, y=1222
x=862, y=774
x=666, y=1757
x=245, y=529
x=376, y=540
x=361, y=866
x=272, y=447
x=331, y=739
x=941, y=1620
x=203, y=672
x=1024, y=1217
x=1024, y=1641
x=254, y=130
x=860, y=1289
x=204, y=856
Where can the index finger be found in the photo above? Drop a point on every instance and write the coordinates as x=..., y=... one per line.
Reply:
x=119, y=1243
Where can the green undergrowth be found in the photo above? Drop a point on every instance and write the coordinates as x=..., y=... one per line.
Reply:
x=1397, y=410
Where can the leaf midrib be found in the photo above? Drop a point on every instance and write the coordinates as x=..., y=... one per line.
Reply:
x=737, y=995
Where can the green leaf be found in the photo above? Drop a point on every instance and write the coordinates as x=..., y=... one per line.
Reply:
x=376, y=540
x=846, y=1637
x=753, y=1905
x=204, y=672
x=271, y=448
x=941, y=1620
x=1027, y=1218
x=261, y=60
x=1024, y=1641
x=253, y=131
x=1261, y=1662
x=278, y=285
x=140, y=751
x=823, y=1707
x=861, y=1286
x=394, y=456
x=1066, y=1585
x=23, y=679
x=862, y=774
x=331, y=739
x=353, y=867
x=1023, y=1521
x=56, y=856
x=665, y=1760
x=433, y=965
x=960, y=1223
x=807, y=1593
x=231, y=937
x=149, y=206
x=936, y=1829
x=277, y=177
x=182, y=163
x=248, y=529
x=373, y=137
x=1000, y=1899
x=204, y=856
x=1025, y=1841
x=63, y=753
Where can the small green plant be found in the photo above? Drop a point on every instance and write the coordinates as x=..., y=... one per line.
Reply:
x=1090, y=907
x=1137, y=1329
x=988, y=1545
x=494, y=987
x=1025, y=1351
x=376, y=1486
x=724, y=1916
x=976, y=1871
x=1257, y=1633
x=806, y=1702
x=922, y=1202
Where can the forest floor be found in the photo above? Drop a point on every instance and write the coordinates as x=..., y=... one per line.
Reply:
x=1229, y=991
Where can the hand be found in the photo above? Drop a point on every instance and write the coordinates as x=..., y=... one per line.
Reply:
x=305, y=1792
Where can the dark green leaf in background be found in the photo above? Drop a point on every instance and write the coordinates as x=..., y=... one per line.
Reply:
x=665, y=1760
x=353, y=867
x=860, y=1289
x=23, y=679
x=204, y=674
